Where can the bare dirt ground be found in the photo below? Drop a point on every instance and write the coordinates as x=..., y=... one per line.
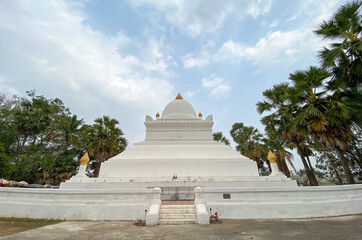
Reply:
x=331, y=228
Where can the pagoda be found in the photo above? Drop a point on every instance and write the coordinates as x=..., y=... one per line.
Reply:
x=178, y=154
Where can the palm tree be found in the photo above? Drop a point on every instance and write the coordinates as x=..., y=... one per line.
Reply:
x=219, y=137
x=278, y=147
x=248, y=140
x=104, y=140
x=343, y=59
x=345, y=25
x=326, y=118
x=279, y=100
x=69, y=128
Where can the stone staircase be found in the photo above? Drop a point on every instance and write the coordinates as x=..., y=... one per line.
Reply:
x=177, y=214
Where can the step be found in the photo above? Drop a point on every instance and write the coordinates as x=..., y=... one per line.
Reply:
x=177, y=211
x=177, y=221
x=189, y=206
x=180, y=202
x=178, y=216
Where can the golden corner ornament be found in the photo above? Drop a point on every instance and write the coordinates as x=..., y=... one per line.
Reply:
x=85, y=159
x=271, y=157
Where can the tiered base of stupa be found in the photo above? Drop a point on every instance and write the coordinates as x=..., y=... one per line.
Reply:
x=177, y=167
x=180, y=189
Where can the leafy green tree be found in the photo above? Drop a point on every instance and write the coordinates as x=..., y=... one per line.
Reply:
x=4, y=163
x=40, y=140
x=354, y=150
x=329, y=163
x=29, y=129
x=103, y=140
x=219, y=137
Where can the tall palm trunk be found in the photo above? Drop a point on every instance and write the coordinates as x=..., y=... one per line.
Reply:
x=97, y=168
x=285, y=168
x=311, y=177
x=338, y=177
x=346, y=168
x=310, y=165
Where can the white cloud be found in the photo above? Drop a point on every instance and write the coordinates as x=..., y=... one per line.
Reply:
x=274, y=24
x=212, y=82
x=230, y=50
x=4, y=88
x=276, y=46
x=191, y=93
x=197, y=17
x=51, y=47
x=219, y=89
x=259, y=7
x=190, y=61
x=292, y=18
x=281, y=46
x=160, y=5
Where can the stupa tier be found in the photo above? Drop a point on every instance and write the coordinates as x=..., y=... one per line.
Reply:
x=179, y=143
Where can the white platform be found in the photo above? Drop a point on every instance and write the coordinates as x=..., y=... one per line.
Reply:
x=244, y=203
x=301, y=202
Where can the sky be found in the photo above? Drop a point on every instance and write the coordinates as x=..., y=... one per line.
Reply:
x=127, y=59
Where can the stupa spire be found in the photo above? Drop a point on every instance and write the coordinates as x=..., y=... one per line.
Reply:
x=179, y=97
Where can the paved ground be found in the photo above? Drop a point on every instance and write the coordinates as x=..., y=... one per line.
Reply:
x=346, y=227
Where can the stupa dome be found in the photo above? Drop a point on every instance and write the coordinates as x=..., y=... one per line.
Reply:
x=179, y=109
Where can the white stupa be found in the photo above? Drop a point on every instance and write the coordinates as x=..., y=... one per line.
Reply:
x=177, y=155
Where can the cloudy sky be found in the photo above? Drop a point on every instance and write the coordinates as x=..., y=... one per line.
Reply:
x=130, y=58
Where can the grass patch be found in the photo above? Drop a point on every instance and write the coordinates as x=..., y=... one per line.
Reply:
x=15, y=225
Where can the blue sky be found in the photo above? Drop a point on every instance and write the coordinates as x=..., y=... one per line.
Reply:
x=130, y=58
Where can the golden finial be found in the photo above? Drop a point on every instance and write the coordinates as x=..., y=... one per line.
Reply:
x=85, y=159
x=179, y=97
x=271, y=157
x=200, y=114
x=157, y=115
